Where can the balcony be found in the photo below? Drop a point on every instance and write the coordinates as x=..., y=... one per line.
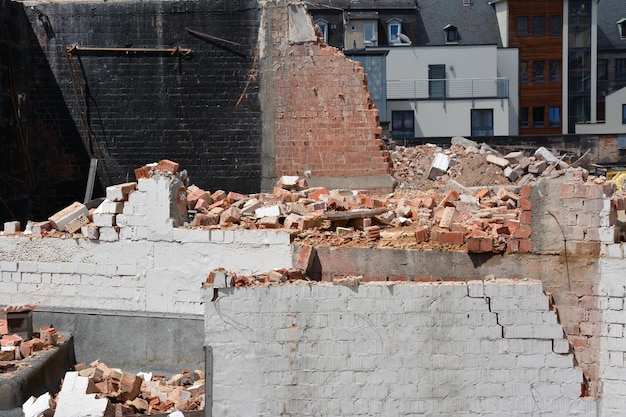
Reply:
x=447, y=89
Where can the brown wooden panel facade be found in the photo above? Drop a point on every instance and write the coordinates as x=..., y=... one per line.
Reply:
x=536, y=28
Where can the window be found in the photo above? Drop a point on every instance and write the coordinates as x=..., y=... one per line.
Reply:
x=523, y=72
x=538, y=71
x=482, y=122
x=323, y=25
x=394, y=29
x=624, y=114
x=555, y=71
x=369, y=33
x=554, y=114
x=620, y=69
x=402, y=124
x=452, y=34
x=603, y=69
x=539, y=25
x=437, y=81
x=554, y=25
x=523, y=117
x=522, y=26
x=538, y=117
x=621, y=28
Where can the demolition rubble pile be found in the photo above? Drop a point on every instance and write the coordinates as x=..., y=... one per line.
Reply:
x=432, y=206
x=17, y=339
x=111, y=392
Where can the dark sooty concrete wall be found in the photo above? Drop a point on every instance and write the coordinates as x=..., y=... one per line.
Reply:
x=199, y=111
x=43, y=163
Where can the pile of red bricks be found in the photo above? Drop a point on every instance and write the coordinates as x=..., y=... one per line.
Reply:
x=146, y=394
x=14, y=347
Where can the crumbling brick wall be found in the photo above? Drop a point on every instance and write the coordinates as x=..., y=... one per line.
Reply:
x=473, y=349
x=323, y=120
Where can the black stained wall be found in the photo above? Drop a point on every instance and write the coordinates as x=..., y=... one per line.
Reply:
x=201, y=111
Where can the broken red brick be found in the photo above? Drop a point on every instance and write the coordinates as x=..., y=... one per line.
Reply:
x=451, y=238
x=305, y=257
x=525, y=246
x=143, y=172
x=373, y=232
x=525, y=191
x=512, y=246
x=315, y=193
x=421, y=234
x=166, y=165
x=525, y=217
x=479, y=244
x=525, y=204
x=482, y=193
x=522, y=232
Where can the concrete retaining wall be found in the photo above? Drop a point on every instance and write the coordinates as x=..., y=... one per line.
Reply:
x=439, y=349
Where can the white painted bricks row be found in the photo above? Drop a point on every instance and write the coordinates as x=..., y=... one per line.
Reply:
x=612, y=342
x=396, y=348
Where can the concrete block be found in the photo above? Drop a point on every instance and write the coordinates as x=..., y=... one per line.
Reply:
x=108, y=206
x=120, y=192
x=76, y=224
x=267, y=211
x=104, y=219
x=439, y=166
x=498, y=161
x=109, y=234
x=36, y=406
x=11, y=228
x=61, y=219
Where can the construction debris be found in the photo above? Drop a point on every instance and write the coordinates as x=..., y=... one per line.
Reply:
x=97, y=390
x=466, y=197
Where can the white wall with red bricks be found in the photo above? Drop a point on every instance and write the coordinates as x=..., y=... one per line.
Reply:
x=471, y=348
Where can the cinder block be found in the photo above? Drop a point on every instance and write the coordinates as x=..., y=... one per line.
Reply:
x=108, y=206
x=120, y=192
x=61, y=219
x=12, y=227
x=104, y=219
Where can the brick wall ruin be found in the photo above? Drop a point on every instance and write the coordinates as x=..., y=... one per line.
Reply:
x=323, y=121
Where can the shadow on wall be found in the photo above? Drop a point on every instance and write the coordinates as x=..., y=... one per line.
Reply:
x=43, y=164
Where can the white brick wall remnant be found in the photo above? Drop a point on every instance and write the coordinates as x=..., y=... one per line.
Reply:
x=474, y=348
x=612, y=341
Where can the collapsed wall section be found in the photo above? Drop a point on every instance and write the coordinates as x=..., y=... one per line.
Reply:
x=475, y=348
x=320, y=119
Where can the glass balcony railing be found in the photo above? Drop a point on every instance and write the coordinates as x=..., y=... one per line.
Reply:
x=457, y=88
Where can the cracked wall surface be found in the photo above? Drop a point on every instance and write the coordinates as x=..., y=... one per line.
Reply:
x=471, y=348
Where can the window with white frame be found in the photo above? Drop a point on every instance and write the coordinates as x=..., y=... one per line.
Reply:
x=323, y=25
x=394, y=29
x=452, y=33
x=369, y=33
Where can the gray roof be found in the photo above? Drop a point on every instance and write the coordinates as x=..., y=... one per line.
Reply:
x=609, y=12
x=363, y=4
x=476, y=24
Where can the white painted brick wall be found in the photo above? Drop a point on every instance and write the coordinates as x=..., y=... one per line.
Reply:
x=149, y=267
x=390, y=349
x=612, y=341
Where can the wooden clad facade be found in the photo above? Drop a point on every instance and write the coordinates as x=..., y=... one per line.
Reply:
x=536, y=28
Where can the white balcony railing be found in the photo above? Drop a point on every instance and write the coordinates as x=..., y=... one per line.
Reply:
x=455, y=88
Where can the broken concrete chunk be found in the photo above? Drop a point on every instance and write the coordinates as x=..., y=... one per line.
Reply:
x=496, y=160
x=34, y=407
x=267, y=211
x=439, y=166
x=546, y=155
x=61, y=219
x=220, y=278
x=464, y=142
x=514, y=157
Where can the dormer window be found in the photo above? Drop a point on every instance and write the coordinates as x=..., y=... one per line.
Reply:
x=452, y=34
x=394, y=29
x=621, y=27
x=323, y=25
